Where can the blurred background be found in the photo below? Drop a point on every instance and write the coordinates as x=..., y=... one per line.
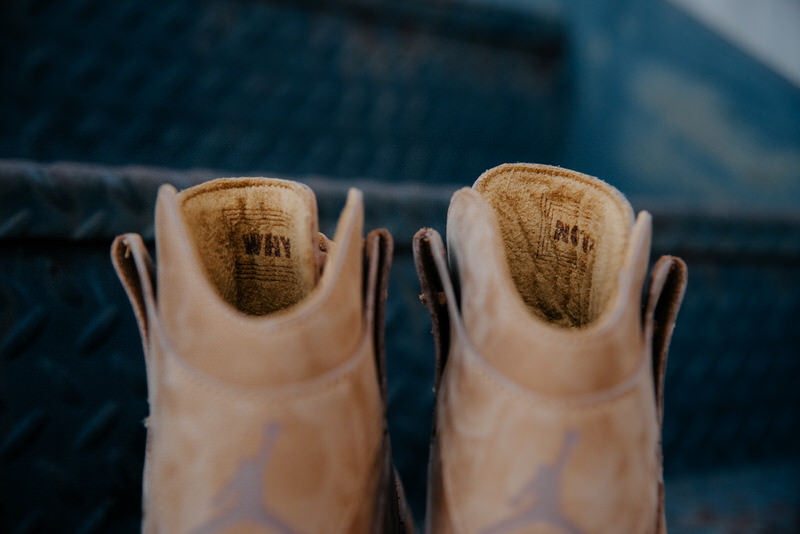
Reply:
x=691, y=108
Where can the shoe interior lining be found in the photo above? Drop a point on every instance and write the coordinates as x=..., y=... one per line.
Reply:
x=564, y=236
x=256, y=242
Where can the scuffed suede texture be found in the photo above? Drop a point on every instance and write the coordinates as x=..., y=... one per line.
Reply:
x=256, y=240
x=274, y=421
x=322, y=475
x=564, y=240
x=540, y=426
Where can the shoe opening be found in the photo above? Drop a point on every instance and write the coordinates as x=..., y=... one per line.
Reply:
x=565, y=236
x=256, y=238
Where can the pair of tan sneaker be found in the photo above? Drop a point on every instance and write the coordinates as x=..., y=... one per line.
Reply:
x=267, y=386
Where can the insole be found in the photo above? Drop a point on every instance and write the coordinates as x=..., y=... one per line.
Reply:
x=256, y=239
x=564, y=236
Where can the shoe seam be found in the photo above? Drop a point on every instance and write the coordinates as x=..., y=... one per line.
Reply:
x=305, y=390
x=474, y=362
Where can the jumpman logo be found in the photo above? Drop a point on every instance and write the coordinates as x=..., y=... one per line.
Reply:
x=545, y=486
x=243, y=496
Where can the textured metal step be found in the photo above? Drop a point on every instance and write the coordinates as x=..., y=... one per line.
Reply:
x=390, y=90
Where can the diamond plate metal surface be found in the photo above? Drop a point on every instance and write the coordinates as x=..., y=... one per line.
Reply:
x=355, y=88
x=71, y=438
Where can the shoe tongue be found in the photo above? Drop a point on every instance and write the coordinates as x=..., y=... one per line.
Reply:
x=257, y=240
x=550, y=268
x=564, y=237
x=241, y=295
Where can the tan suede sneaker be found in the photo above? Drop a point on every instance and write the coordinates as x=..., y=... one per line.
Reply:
x=549, y=372
x=265, y=365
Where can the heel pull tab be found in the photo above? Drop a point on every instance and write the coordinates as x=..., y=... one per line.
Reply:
x=391, y=513
x=136, y=272
x=427, y=245
x=664, y=297
x=378, y=249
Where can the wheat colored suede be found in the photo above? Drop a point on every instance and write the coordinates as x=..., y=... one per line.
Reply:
x=542, y=427
x=262, y=421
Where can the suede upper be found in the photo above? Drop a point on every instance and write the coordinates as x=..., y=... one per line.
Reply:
x=264, y=416
x=546, y=417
